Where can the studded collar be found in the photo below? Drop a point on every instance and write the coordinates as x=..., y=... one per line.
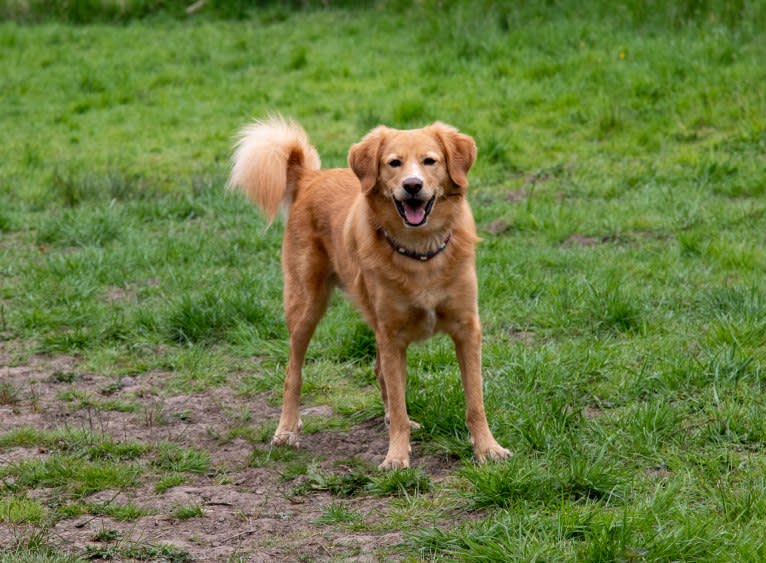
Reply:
x=421, y=256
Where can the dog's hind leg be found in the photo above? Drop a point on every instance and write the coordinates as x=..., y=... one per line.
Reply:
x=306, y=299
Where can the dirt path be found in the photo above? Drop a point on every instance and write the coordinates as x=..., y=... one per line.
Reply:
x=249, y=513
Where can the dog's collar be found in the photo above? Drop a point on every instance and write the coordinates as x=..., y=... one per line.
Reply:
x=421, y=256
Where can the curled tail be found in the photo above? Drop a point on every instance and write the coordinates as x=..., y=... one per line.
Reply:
x=268, y=160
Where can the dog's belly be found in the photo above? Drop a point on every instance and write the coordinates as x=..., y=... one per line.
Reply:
x=422, y=324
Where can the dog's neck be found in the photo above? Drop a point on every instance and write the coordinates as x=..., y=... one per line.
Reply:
x=415, y=254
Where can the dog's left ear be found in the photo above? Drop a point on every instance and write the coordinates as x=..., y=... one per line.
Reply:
x=364, y=158
x=460, y=152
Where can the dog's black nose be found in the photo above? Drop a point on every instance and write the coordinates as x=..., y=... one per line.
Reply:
x=412, y=185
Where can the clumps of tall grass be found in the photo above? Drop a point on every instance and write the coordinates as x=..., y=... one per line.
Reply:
x=207, y=317
x=666, y=526
x=73, y=187
x=578, y=477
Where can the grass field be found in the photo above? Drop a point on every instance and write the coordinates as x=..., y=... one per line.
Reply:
x=620, y=192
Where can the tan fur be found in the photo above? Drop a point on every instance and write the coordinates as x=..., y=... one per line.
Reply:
x=266, y=158
x=336, y=236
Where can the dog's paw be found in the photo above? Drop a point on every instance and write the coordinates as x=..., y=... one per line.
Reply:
x=286, y=439
x=493, y=452
x=394, y=463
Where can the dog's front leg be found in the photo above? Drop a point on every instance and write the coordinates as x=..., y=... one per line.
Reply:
x=466, y=334
x=392, y=354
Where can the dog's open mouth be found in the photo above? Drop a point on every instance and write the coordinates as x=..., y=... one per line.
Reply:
x=414, y=211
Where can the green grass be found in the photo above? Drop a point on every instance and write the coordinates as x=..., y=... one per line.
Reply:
x=124, y=512
x=175, y=459
x=619, y=193
x=17, y=510
x=71, y=474
x=187, y=511
x=337, y=513
x=168, y=482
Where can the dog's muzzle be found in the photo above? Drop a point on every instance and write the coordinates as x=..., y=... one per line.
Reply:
x=414, y=211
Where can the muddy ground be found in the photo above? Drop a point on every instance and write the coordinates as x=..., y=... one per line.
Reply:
x=249, y=513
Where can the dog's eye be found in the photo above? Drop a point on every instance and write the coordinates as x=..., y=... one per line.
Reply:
x=395, y=163
x=428, y=161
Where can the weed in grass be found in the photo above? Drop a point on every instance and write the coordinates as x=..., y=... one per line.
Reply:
x=9, y=394
x=65, y=376
x=401, y=482
x=338, y=513
x=187, y=511
x=274, y=454
x=111, y=389
x=171, y=457
x=106, y=535
x=20, y=510
x=121, y=512
x=140, y=552
x=346, y=484
x=291, y=471
x=117, y=451
x=68, y=510
x=168, y=482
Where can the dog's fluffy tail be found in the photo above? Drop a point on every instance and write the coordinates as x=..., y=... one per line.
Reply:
x=269, y=158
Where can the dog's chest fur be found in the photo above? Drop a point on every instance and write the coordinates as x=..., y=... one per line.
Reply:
x=417, y=314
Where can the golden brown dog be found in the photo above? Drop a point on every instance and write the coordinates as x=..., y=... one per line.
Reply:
x=395, y=233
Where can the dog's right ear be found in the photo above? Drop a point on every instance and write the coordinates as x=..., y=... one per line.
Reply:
x=364, y=158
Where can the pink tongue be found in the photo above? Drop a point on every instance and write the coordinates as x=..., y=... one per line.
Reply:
x=414, y=215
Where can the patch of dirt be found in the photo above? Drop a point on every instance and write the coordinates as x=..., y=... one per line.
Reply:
x=627, y=238
x=248, y=512
x=659, y=471
x=517, y=196
x=526, y=337
x=116, y=294
x=578, y=239
x=498, y=227
x=591, y=412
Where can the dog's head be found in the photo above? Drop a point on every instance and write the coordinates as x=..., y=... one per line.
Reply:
x=414, y=169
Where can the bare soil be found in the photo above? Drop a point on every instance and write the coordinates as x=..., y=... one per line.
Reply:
x=249, y=513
